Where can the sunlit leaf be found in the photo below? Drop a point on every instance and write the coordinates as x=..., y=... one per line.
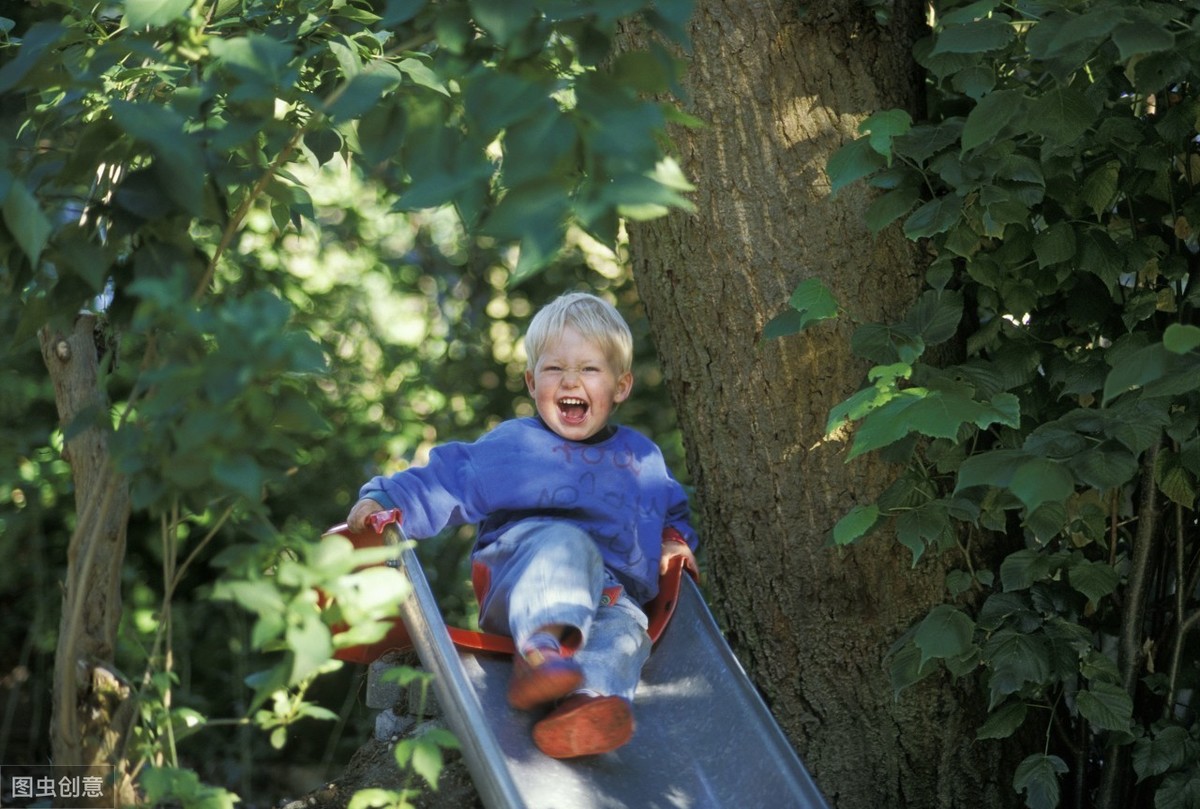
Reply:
x=1180, y=338
x=154, y=13
x=855, y=524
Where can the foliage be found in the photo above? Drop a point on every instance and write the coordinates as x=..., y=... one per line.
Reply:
x=1042, y=394
x=288, y=212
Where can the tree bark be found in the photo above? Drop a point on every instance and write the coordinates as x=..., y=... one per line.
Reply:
x=92, y=709
x=780, y=86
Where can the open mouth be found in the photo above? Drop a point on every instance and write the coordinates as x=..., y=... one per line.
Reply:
x=572, y=410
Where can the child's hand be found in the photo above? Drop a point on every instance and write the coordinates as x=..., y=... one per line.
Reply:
x=357, y=521
x=672, y=549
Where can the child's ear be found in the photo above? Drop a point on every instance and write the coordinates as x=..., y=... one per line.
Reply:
x=624, y=387
x=529, y=382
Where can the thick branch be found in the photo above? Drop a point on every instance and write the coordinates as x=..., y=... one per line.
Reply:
x=87, y=700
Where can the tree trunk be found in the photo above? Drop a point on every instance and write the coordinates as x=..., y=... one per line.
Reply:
x=92, y=710
x=780, y=86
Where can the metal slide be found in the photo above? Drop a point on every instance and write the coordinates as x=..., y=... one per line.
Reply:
x=703, y=737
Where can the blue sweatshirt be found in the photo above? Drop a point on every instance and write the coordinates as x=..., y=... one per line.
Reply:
x=618, y=489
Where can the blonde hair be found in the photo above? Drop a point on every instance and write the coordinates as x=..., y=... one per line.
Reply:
x=595, y=319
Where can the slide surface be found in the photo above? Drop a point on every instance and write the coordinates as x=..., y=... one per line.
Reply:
x=703, y=736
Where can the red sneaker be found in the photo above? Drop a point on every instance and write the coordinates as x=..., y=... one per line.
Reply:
x=585, y=726
x=541, y=676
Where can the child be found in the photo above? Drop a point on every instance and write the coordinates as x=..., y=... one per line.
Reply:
x=577, y=518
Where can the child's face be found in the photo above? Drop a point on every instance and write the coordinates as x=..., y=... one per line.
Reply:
x=575, y=387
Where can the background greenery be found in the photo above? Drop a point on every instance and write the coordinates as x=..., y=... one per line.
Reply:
x=1041, y=396
x=222, y=183
x=316, y=228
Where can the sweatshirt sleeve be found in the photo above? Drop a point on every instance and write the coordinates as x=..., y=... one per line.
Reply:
x=678, y=515
x=443, y=493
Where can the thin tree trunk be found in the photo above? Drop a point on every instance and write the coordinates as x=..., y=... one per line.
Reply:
x=91, y=706
x=780, y=86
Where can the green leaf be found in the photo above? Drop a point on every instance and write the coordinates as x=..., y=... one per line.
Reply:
x=258, y=60
x=1136, y=369
x=883, y=127
x=785, y=323
x=1140, y=37
x=1174, y=480
x=946, y=632
x=1106, y=706
x=935, y=216
x=179, y=160
x=907, y=669
x=994, y=468
x=1039, y=480
x=887, y=208
x=1037, y=777
x=1062, y=115
x=989, y=117
x=1179, y=790
x=503, y=19
x=978, y=36
x=1015, y=659
x=924, y=526
x=856, y=524
x=936, y=316
x=401, y=11
x=851, y=162
x=363, y=92
x=497, y=100
x=427, y=761
x=1105, y=466
x=539, y=144
x=154, y=13
x=255, y=596
x=812, y=302
x=1094, y=579
x=1181, y=338
x=241, y=474
x=1004, y=721
x=1163, y=751
x=1100, y=187
x=39, y=40
x=375, y=796
x=422, y=75
x=1021, y=569
x=887, y=423
x=1054, y=245
x=29, y=226
x=527, y=209
x=311, y=646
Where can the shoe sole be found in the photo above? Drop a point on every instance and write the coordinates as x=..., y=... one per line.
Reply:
x=543, y=688
x=599, y=726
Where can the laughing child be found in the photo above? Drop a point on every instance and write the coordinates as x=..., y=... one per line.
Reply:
x=577, y=518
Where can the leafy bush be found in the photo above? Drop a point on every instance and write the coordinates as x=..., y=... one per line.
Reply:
x=1042, y=394
x=298, y=227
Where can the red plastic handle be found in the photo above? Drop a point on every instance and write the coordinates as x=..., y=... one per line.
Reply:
x=379, y=520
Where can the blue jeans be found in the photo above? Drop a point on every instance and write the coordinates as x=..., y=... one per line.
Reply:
x=546, y=573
